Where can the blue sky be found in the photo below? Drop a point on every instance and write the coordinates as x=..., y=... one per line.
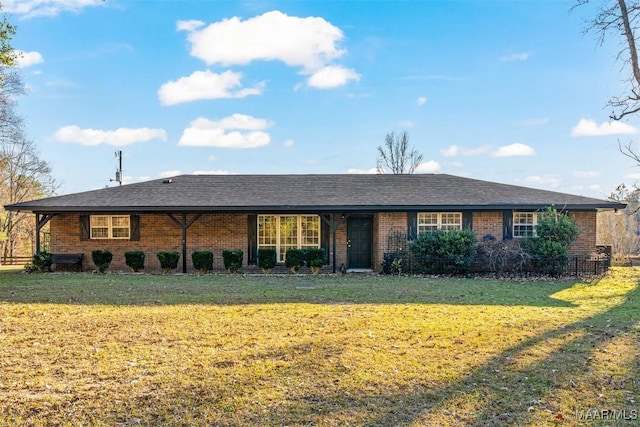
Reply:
x=505, y=91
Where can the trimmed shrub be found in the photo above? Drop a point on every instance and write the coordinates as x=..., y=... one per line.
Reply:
x=444, y=251
x=267, y=259
x=168, y=260
x=294, y=259
x=232, y=260
x=39, y=263
x=135, y=260
x=313, y=253
x=101, y=259
x=315, y=265
x=202, y=261
x=314, y=258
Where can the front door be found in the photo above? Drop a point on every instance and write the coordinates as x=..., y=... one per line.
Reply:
x=359, y=241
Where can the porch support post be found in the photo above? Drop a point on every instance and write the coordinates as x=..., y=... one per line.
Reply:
x=41, y=220
x=184, y=224
x=334, y=221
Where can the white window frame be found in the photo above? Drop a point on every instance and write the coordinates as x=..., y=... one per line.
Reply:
x=302, y=239
x=519, y=225
x=107, y=225
x=441, y=221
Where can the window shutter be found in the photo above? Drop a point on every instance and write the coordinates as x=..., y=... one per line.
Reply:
x=252, y=239
x=85, y=232
x=325, y=238
x=467, y=220
x=134, y=222
x=412, y=225
x=507, y=225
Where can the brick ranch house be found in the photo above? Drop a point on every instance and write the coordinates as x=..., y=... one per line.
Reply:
x=352, y=217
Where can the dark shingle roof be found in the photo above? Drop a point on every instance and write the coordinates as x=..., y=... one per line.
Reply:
x=278, y=193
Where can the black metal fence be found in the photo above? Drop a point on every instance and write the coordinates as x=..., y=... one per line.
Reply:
x=521, y=265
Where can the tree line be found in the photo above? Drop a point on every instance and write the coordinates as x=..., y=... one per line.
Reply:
x=23, y=175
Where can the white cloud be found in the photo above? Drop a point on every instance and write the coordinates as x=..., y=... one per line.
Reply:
x=586, y=174
x=309, y=43
x=548, y=180
x=514, y=150
x=634, y=175
x=27, y=59
x=189, y=25
x=332, y=76
x=523, y=56
x=421, y=101
x=586, y=127
x=428, y=167
x=206, y=85
x=31, y=8
x=363, y=171
x=454, y=151
x=289, y=143
x=167, y=174
x=119, y=137
x=227, y=132
x=406, y=124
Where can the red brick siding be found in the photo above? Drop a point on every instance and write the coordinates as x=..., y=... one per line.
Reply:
x=157, y=233
x=216, y=232
x=488, y=223
x=385, y=223
x=586, y=241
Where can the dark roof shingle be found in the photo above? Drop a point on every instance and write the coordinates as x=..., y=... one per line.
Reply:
x=200, y=193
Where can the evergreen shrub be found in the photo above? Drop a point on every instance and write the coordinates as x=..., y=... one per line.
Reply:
x=135, y=260
x=202, y=261
x=102, y=259
x=232, y=260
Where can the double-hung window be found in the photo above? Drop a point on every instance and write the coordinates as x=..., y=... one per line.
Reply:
x=524, y=224
x=282, y=232
x=110, y=226
x=431, y=221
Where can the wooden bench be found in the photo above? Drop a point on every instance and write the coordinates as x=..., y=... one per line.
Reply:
x=68, y=259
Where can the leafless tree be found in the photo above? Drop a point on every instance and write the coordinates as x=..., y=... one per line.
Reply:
x=396, y=156
x=620, y=18
x=23, y=176
x=621, y=229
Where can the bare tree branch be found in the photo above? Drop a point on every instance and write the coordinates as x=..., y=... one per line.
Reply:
x=620, y=17
x=396, y=156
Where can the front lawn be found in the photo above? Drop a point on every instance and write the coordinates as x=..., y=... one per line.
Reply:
x=83, y=349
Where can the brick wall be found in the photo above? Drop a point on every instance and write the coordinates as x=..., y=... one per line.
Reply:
x=488, y=223
x=586, y=241
x=216, y=232
x=384, y=224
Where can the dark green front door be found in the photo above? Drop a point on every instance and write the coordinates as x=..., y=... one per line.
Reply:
x=359, y=241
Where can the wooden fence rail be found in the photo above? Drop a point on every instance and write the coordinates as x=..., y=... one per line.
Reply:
x=16, y=260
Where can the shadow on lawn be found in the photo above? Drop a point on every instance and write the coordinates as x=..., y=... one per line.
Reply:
x=514, y=388
x=150, y=290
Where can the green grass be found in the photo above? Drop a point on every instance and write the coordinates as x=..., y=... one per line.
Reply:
x=82, y=349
